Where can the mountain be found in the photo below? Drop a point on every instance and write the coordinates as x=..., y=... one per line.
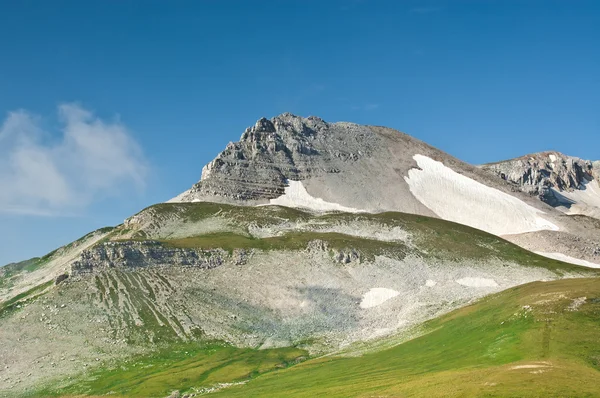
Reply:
x=309, y=163
x=565, y=182
x=293, y=160
x=304, y=241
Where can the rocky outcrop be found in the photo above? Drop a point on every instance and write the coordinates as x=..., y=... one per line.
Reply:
x=272, y=151
x=133, y=254
x=346, y=256
x=143, y=254
x=61, y=278
x=341, y=255
x=546, y=174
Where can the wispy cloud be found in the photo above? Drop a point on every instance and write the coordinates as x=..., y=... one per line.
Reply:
x=426, y=10
x=44, y=175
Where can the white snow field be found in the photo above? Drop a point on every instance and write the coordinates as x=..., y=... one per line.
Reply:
x=457, y=198
x=588, y=196
x=377, y=296
x=476, y=282
x=295, y=195
x=568, y=259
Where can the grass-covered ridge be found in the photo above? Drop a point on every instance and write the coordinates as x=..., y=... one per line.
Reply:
x=10, y=274
x=539, y=339
x=9, y=271
x=291, y=241
x=292, y=229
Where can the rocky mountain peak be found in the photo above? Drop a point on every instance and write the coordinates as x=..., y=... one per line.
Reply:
x=284, y=126
x=546, y=173
x=270, y=152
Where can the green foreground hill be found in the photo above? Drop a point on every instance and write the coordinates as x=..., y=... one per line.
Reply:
x=537, y=340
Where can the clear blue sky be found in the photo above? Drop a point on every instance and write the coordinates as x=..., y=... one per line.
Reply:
x=482, y=80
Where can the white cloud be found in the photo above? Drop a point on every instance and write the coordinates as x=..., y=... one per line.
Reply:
x=43, y=174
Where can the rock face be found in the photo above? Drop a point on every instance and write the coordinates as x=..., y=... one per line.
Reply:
x=132, y=255
x=272, y=151
x=547, y=174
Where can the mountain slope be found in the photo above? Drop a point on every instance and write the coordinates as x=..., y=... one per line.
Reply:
x=565, y=182
x=358, y=167
x=257, y=277
x=18, y=278
x=539, y=339
x=309, y=163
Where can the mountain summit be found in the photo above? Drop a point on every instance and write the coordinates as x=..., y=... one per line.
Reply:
x=312, y=164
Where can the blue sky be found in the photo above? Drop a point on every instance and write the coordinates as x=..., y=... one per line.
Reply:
x=169, y=84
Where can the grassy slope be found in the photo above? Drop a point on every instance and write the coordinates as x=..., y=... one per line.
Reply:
x=8, y=306
x=183, y=367
x=10, y=273
x=526, y=341
x=470, y=352
x=430, y=237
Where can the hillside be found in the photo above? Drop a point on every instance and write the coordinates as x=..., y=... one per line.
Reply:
x=313, y=164
x=258, y=277
x=539, y=339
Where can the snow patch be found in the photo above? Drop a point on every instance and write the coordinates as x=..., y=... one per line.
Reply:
x=377, y=296
x=477, y=282
x=552, y=158
x=588, y=195
x=455, y=197
x=295, y=195
x=532, y=366
x=430, y=283
x=568, y=259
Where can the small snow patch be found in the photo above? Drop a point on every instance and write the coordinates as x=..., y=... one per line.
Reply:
x=377, y=296
x=477, y=282
x=587, y=195
x=531, y=366
x=568, y=259
x=430, y=283
x=295, y=195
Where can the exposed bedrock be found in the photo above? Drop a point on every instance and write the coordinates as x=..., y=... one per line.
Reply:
x=546, y=174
